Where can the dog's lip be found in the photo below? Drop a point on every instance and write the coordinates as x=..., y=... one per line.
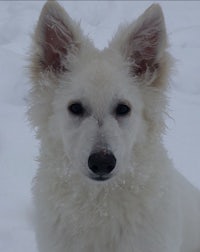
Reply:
x=99, y=177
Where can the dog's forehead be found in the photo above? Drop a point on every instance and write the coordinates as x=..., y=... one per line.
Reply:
x=101, y=77
x=100, y=82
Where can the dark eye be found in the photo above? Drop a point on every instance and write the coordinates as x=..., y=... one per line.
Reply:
x=76, y=109
x=122, y=109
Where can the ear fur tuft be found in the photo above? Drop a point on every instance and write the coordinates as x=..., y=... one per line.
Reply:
x=143, y=43
x=54, y=38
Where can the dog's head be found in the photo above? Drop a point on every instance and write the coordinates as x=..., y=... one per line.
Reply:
x=98, y=105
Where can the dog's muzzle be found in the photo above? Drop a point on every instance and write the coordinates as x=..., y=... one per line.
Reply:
x=101, y=165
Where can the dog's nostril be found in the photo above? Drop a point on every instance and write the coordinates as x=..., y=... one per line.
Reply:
x=101, y=163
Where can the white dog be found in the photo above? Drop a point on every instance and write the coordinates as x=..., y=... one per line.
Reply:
x=105, y=183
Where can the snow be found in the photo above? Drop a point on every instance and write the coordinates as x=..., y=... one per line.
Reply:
x=99, y=20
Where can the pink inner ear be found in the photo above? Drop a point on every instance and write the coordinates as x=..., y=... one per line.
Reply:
x=57, y=40
x=144, y=47
x=146, y=53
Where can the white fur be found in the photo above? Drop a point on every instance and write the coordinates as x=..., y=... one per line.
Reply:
x=147, y=206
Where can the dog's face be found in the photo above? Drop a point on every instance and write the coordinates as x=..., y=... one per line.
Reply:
x=94, y=103
x=99, y=112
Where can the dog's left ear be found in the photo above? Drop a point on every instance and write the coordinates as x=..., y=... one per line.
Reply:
x=143, y=43
x=55, y=40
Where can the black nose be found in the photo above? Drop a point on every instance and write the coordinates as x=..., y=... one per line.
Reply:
x=102, y=163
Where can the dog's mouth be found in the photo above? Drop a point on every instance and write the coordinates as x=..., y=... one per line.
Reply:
x=99, y=177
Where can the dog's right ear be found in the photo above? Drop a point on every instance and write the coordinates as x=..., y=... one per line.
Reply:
x=143, y=46
x=55, y=40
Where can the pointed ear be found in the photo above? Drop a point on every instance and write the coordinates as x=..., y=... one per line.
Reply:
x=143, y=43
x=54, y=39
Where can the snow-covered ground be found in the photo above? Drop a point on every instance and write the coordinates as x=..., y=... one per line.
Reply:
x=100, y=20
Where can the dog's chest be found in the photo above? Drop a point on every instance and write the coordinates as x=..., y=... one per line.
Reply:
x=115, y=223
